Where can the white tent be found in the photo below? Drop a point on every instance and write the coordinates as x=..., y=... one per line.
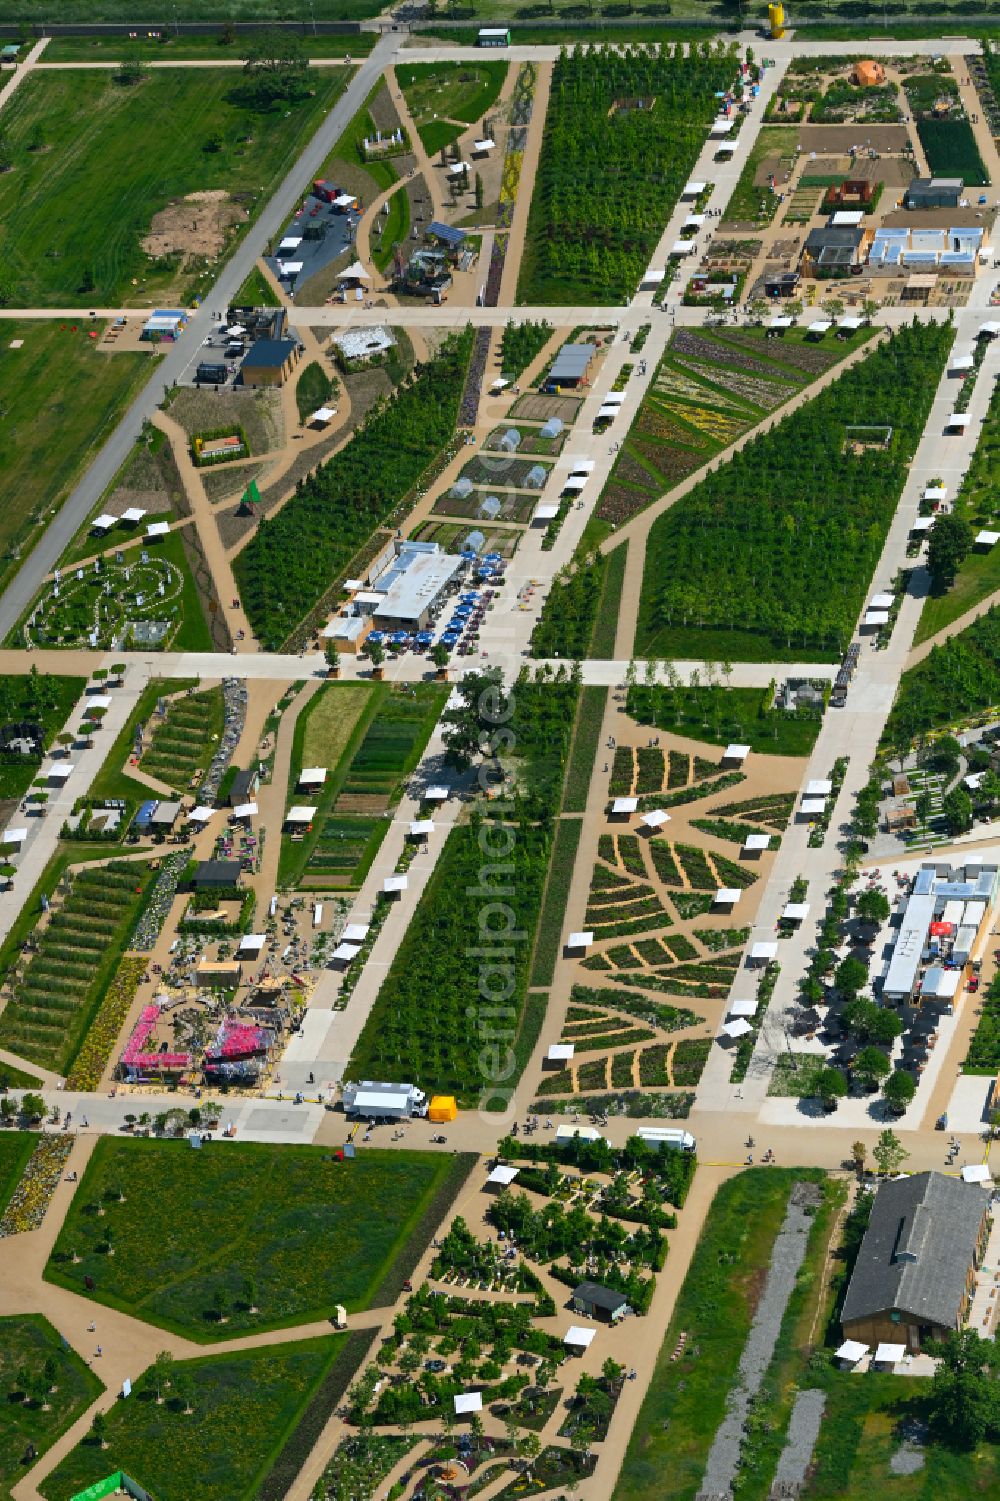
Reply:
x=201, y=814
x=356, y=932
x=852, y=1351
x=394, y=885
x=795, y=912
x=755, y=843
x=736, y=752
x=133, y=515
x=436, y=795
x=987, y=539
x=819, y=787
x=881, y=602
x=743, y=1008
x=959, y=421
x=578, y=1337
x=961, y=362
x=421, y=828
x=245, y=810
x=889, y=1354
x=251, y=943
x=727, y=896
x=322, y=416
x=345, y=952
x=976, y=1172
x=503, y=1175
x=312, y=776
x=655, y=819
x=560, y=1052
x=301, y=813
x=466, y=1402
x=624, y=807
x=579, y=941
x=820, y=327
x=736, y=1029
x=355, y=272
x=157, y=529
x=812, y=807
x=14, y=836
x=103, y=523
x=763, y=953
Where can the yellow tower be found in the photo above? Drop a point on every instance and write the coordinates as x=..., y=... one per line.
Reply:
x=776, y=16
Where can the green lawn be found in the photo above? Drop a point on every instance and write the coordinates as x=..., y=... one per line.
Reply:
x=382, y=174
x=686, y=1399
x=256, y=291
x=82, y=49
x=396, y=225
x=310, y=1231
x=245, y=1407
x=440, y=94
x=111, y=156
x=26, y=1344
x=15, y=1149
x=720, y=716
x=61, y=399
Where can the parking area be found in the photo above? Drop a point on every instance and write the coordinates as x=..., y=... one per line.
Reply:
x=317, y=234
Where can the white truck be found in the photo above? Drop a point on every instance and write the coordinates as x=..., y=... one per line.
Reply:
x=379, y=1100
x=670, y=1138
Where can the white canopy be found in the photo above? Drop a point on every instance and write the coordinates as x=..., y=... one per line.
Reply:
x=436, y=795
x=301, y=813
x=743, y=1008
x=484, y=145
x=576, y=482
x=157, y=529
x=503, y=1174
x=812, y=807
x=987, y=539
x=252, y=943
x=201, y=814
x=245, y=810
x=881, y=601
x=468, y=1402
x=922, y=524
x=727, y=896
x=457, y=168
x=736, y=752
x=781, y=322
x=312, y=776
x=97, y=701
x=682, y=247
x=694, y=221
x=290, y=268
x=392, y=884
x=959, y=419
x=60, y=771
x=757, y=842
x=976, y=1172
x=851, y=324
x=819, y=787
x=693, y=190
x=322, y=416
x=795, y=911
x=579, y=940
x=821, y=326
x=655, y=819
x=889, y=1354
x=421, y=828
x=624, y=805
x=852, y=1350
x=14, y=836
x=579, y=1337
x=961, y=362
x=356, y=932
x=762, y=953
x=133, y=514
x=737, y=1028
x=290, y=242
x=546, y=510
x=582, y=466
x=345, y=952
x=722, y=126
x=104, y=522
x=725, y=147
x=936, y=493
x=355, y=272
x=560, y=1052
x=875, y=619
x=609, y=411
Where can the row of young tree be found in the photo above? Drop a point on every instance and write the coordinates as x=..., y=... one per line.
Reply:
x=959, y=678
x=780, y=542
x=293, y=558
x=623, y=131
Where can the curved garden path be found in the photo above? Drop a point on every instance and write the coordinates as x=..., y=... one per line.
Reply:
x=960, y=623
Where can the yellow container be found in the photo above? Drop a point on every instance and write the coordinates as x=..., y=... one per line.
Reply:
x=776, y=17
x=442, y=1108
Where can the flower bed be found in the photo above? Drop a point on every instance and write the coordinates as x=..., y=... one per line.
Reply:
x=92, y=1059
x=39, y=1181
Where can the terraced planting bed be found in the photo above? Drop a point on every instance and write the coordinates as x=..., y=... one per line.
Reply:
x=710, y=387
x=185, y=739
x=66, y=975
x=369, y=737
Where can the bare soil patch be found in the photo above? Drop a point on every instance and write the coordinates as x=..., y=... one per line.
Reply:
x=197, y=225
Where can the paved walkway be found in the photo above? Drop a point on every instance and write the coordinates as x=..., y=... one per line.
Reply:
x=21, y=72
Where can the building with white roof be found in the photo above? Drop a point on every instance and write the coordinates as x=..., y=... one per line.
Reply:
x=624, y=807
x=355, y=345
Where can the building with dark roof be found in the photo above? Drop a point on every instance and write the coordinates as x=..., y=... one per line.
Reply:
x=933, y=192
x=215, y=875
x=269, y=363
x=915, y=1274
x=595, y=1301
x=832, y=248
x=245, y=784
x=571, y=365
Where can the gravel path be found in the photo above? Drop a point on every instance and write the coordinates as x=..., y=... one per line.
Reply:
x=786, y=1259
x=803, y=1431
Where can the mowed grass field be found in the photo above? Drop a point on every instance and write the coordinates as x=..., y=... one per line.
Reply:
x=244, y=1409
x=310, y=1231
x=94, y=160
x=59, y=399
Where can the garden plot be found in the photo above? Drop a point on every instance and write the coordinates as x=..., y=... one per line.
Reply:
x=709, y=388
x=369, y=738
x=515, y=505
x=308, y=1234
x=725, y=576
x=505, y=471
x=452, y=536
x=532, y=406
x=141, y=598
x=531, y=442
x=183, y=740
x=54, y=995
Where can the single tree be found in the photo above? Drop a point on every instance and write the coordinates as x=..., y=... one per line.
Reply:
x=830, y=1086
x=963, y=1396
x=899, y=1090
x=99, y=1429
x=332, y=657
x=859, y=1154
x=889, y=1153
x=873, y=906
x=957, y=809
x=869, y=1067
x=950, y=541
x=851, y=975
